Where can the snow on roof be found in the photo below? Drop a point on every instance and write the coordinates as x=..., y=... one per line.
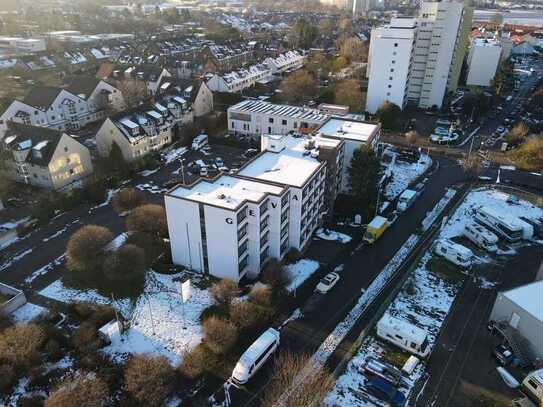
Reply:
x=226, y=191
x=348, y=129
x=503, y=216
x=455, y=246
x=377, y=222
x=289, y=167
x=408, y=194
x=154, y=114
x=415, y=334
x=128, y=123
x=528, y=297
x=23, y=145
x=295, y=112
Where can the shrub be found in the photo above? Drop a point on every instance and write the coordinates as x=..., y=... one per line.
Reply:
x=95, y=190
x=529, y=156
x=78, y=392
x=7, y=378
x=53, y=350
x=224, y=291
x=274, y=274
x=293, y=255
x=194, y=363
x=86, y=338
x=148, y=379
x=308, y=393
x=219, y=335
x=127, y=262
x=261, y=296
x=20, y=345
x=127, y=199
x=31, y=401
x=214, y=310
x=85, y=249
x=149, y=219
x=248, y=316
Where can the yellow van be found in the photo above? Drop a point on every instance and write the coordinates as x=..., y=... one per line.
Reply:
x=375, y=229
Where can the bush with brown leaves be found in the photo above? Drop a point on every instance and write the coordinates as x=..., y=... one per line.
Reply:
x=82, y=391
x=7, y=378
x=249, y=316
x=261, y=296
x=20, y=345
x=149, y=219
x=220, y=335
x=85, y=338
x=85, y=251
x=126, y=263
x=148, y=380
x=224, y=291
x=194, y=362
x=126, y=200
x=275, y=274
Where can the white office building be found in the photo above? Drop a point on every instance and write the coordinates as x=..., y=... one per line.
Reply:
x=389, y=68
x=354, y=133
x=441, y=37
x=483, y=60
x=230, y=226
x=256, y=117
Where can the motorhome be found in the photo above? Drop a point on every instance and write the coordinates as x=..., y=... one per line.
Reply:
x=406, y=199
x=532, y=386
x=504, y=226
x=454, y=252
x=481, y=236
x=405, y=335
x=255, y=356
x=199, y=141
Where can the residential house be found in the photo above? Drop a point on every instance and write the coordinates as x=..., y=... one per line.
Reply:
x=45, y=158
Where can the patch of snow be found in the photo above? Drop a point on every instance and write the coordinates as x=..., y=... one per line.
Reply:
x=27, y=313
x=146, y=173
x=405, y=173
x=16, y=258
x=436, y=210
x=326, y=234
x=110, y=194
x=300, y=271
x=45, y=269
x=116, y=243
x=174, y=154
x=161, y=324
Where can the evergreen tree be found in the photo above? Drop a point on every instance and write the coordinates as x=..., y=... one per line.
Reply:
x=364, y=173
x=388, y=115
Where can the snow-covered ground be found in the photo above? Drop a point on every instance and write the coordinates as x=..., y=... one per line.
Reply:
x=159, y=323
x=403, y=173
x=27, y=313
x=492, y=198
x=327, y=234
x=300, y=271
x=425, y=301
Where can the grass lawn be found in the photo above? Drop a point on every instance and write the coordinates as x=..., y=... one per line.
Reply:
x=394, y=355
x=444, y=269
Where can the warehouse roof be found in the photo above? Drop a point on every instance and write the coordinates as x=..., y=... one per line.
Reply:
x=528, y=297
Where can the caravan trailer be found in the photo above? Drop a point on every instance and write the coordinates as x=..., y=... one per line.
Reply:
x=532, y=386
x=507, y=227
x=454, y=252
x=407, y=336
x=481, y=236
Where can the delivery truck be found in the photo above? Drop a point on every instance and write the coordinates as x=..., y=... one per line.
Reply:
x=375, y=229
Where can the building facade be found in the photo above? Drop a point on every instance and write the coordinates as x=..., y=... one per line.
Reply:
x=255, y=117
x=483, y=60
x=45, y=158
x=144, y=130
x=231, y=225
x=433, y=58
x=66, y=109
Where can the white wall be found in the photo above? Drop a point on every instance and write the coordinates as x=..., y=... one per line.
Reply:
x=483, y=62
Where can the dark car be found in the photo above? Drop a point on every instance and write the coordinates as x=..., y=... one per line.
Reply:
x=503, y=355
x=385, y=391
x=251, y=152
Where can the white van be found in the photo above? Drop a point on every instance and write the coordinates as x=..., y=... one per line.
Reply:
x=532, y=386
x=481, y=236
x=255, y=356
x=454, y=252
x=406, y=199
x=405, y=335
x=199, y=141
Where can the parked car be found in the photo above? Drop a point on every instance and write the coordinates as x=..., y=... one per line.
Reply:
x=249, y=153
x=219, y=162
x=503, y=355
x=383, y=390
x=327, y=283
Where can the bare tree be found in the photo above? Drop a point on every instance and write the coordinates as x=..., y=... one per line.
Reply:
x=149, y=379
x=127, y=199
x=518, y=133
x=134, y=92
x=82, y=390
x=353, y=49
x=308, y=393
x=411, y=137
x=348, y=93
x=85, y=251
x=20, y=345
x=300, y=86
x=219, y=335
x=224, y=291
x=194, y=363
x=472, y=166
